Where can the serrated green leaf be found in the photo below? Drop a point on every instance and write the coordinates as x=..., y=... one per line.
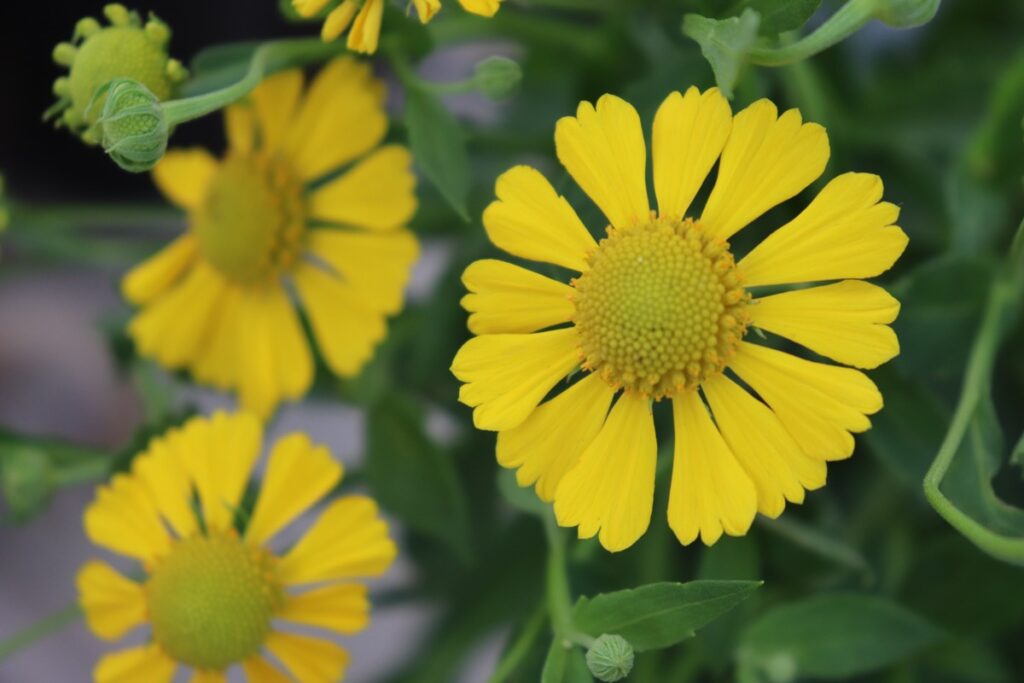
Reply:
x=779, y=16
x=659, y=614
x=439, y=147
x=411, y=477
x=835, y=637
x=724, y=43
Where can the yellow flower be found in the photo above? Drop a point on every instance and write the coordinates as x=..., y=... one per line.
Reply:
x=364, y=16
x=660, y=309
x=264, y=220
x=212, y=596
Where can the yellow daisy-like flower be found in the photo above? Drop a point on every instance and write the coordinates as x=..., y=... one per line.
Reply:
x=364, y=16
x=214, y=597
x=270, y=218
x=660, y=309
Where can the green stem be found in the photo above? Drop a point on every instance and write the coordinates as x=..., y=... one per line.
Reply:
x=520, y=648
x=559, y=598
x=267, y=59
x=845, y=22
x=32, y=634
x=87, y=470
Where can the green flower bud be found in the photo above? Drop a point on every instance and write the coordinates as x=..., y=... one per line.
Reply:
x=26, y=480
x=610, y=658
x=5, y=215
x=497, y=77
x=133, y=128
x=127, y=47
x=906, y=13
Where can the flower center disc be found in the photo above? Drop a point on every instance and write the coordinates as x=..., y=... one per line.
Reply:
x=211, y=601
x=253, y=218
x=661, y=309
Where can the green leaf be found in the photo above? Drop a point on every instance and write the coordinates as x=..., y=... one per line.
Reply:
x=411, y=477
x=439, y=147
x=834, y=637
x=659, y=615
x=565, y=665
x=724, y=43
x=779, y=16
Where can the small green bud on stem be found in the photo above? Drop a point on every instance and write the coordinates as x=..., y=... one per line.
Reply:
x=906, y=13
x=26, y=480
x=610, y=658
x=133, y=128
x=497, y=77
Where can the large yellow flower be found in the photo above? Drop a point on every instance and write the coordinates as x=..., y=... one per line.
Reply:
x=214, y=597
x=364, y=16
x=661, y=310
x=272, y=216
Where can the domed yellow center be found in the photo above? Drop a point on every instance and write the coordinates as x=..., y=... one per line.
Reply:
x=211, y=600
x=661, y=308
x=252, y=221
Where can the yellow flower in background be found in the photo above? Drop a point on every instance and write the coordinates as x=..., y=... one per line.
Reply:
x=659, y=309
x=364, y=17
x=214, y=597
x=270, y=218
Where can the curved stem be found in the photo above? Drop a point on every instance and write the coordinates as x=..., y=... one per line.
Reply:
x=559, y=598
x=267, y=59
x=845, y=22
x=520, y=648
x=32, y=634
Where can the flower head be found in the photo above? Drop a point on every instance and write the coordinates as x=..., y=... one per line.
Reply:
x=213, y=589
x=97, y=55
x=272, y=216
x=661, y=309
x=362, y=18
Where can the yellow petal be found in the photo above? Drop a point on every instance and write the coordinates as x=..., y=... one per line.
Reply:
x=689, y=134
x=240, y=128
x=710, y=492
x=508, y=298
x=818, y=404
x=847, y=321
x=208, y=677
x=124, y=519
x=378, y=265
x=156, y=274
x=529, y=219
x=426, y=9
x=216, y=363
x=604, y=151
x=184, y=174
x=173, y=328
x=143, y=664
x=485, y=8
x=310, y=660
x=259, y=670
x=507, y=375
x=162, y=469
x=348, y=541
x=766, y=452
x=342, y=116
x=767, y=160
x=274, y=359
x=345, y=328
x=341, y=607
x=846, y=232
x=377, y=193
x=275, y=101
x=611, y=488
x=113, y=605
x=299, y=474
x=365, y=31
x=339, y=20
x=219, y=453
x=552, y=439
x=308, y=8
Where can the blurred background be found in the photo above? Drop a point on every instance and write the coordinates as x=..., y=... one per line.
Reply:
x=936, y=111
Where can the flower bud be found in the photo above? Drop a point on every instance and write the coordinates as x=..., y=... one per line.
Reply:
x=610, y=658
x=133, y=128
x=497, y=77
x=906, y=13
x=5, y=215
x=26, y=480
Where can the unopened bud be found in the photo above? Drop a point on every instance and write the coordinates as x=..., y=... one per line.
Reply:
x=133, y=128
x=26, y=480
x=497, y=77
x=610, y=658
x=906, y=13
